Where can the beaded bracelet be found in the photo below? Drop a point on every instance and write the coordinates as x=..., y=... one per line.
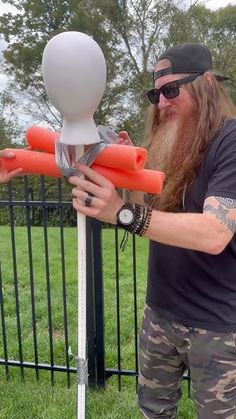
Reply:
x=140, y=224
x=147, y=222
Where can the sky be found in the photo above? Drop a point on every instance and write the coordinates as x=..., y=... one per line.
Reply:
x=215, y=4
x=4, y=8
x=211, y=4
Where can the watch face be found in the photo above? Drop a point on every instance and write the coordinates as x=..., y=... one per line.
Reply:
x=126, y=216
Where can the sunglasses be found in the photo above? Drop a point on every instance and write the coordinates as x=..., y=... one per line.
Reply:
x=169, y=90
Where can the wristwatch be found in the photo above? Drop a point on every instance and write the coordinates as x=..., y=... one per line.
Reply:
x=125, y=216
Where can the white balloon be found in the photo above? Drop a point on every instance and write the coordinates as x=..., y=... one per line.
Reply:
x=74, y=72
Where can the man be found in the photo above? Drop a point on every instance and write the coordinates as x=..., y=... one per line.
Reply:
x=6, y=175
x=190, y=317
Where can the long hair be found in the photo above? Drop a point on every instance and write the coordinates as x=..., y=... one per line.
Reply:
x=213, y=106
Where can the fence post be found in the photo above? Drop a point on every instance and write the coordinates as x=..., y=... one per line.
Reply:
x=91, y=350
x=99, y=301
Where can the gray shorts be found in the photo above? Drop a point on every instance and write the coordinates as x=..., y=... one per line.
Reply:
x=166, y=350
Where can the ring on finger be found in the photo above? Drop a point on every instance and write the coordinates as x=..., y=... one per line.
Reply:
x=88, y=199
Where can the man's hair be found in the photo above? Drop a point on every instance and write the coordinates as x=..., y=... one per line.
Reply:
x=213, y=107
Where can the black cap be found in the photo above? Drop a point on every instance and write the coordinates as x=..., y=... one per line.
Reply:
x=187, y=58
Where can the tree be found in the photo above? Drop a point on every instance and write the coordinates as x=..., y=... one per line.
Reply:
x=223, y=44
x=27, y=34
x=216, y=29
x=141, y=27
x=131, y=33
x=8, y=132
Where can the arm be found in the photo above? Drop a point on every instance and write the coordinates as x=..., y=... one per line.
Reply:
x=5, y=175
x=208, y=232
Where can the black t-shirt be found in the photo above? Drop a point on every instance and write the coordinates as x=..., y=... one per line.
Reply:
x=193, y=287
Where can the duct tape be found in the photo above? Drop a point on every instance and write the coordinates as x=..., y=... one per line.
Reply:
x=65, y=154
x=82, y=370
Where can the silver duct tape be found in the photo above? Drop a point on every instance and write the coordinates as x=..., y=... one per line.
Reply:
x=82, y=370
x=90, y=155
x=107, y=134
x=66, y=154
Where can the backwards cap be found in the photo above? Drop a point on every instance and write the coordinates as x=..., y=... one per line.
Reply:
x=187, y=58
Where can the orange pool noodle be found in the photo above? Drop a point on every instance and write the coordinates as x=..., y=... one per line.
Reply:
x=150, y=181
x=114, y=155
x=122, y=157
x=41, y=139
x=34, y=162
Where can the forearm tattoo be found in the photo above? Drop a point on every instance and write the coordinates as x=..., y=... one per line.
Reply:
x=224, y=209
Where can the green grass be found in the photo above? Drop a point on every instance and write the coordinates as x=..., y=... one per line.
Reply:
x=31, y=399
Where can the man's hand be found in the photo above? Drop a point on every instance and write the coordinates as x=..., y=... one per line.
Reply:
x=95, y=196
x=6, y=175
x=124, y=139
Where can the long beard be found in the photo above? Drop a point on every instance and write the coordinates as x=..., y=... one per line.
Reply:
x=170, y=146
x=159, y=150
x=171, y=135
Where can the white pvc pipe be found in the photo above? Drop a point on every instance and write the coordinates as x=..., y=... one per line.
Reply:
x=74, y=72
x=82, y=300
x=82, y=338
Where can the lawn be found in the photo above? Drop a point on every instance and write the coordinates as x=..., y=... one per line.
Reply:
x=30, y=398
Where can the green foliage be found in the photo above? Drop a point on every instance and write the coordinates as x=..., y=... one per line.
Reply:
x=139, y=29
x=216, y=29
x=37, y=22
x=39, y=189
x=192, y=25
x=223, y=44
x=7, y=130
x=131, y=34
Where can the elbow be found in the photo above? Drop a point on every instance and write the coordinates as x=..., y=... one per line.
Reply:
x=217, y=245
x=215, y=250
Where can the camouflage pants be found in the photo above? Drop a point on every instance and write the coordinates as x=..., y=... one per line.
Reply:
x=167, y=349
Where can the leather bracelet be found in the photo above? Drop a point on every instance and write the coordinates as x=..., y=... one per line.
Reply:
x=147, y=222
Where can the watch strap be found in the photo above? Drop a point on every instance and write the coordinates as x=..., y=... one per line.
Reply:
x=141, y=220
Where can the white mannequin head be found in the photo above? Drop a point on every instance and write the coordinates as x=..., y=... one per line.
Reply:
x=74, y=72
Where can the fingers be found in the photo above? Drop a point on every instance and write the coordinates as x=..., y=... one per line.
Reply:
x=84, y=185
x=124, y=138
x=96, y=197
x=97, y=185
x=81, y=196
x=94, y=177
x=97, y=208
x=102, y=193
x=88, y=211
x=6, y=176
x=16, y=172
x=7, y=154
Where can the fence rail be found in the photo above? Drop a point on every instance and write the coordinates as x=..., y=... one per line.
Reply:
x=38, y=288
x=22, y=210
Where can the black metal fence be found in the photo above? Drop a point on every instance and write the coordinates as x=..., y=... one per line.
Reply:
x=38, y=290
x=38, y=287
